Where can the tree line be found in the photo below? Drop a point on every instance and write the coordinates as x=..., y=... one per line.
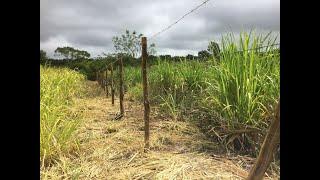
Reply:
x=128, y=45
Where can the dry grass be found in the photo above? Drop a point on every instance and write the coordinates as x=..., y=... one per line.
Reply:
x=113, y=149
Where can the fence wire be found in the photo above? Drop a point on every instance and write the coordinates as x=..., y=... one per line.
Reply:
x=270, y=45
x=192, y=10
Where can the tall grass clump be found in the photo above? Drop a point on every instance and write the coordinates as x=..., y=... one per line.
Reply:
x=133, y=82
x=176, y=85
x=230, y=98
x=246, y=82
x=58, y=122
x=243, y=88
x=172, y=85
x=132, y=76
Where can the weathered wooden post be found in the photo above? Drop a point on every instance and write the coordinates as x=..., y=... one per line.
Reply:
x=268, y=147
x=102, y=80
x=99, y=77
x=112, y=85
x=106, y=82
x=121, y=93
x=145, y=93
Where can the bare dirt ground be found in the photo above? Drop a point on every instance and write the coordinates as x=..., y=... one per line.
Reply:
x=113, y=149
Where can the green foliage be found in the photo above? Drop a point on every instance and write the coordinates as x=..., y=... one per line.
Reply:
x=190, y=57
x=246, y=82
x=129, y=44
x=58, y=122
x=135, y=92
x=43, y=56
x=203, y=55
x=173, y=85
x=132, y=76
x=165, y=57
x=88, y=67
x=71, y=53
x=233, y=87
x=238, y=92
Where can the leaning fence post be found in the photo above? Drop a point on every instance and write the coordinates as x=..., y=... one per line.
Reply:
x=145, y=93
x=121, y=94
x=112, y=85
x=268, y=147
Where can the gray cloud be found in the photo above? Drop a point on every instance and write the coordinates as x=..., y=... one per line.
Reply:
x=90, y=24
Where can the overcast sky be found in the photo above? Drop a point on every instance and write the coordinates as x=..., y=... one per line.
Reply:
x=90, y=24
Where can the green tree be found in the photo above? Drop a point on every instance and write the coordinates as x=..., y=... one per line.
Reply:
x=43, y=56
x=165, y=57
x=130, y=44
x=204, y=54
x=71, y=53
x=190, y=57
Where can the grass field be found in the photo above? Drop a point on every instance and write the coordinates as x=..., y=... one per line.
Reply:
x=237, y=91
x=114, y=149
x=58, y=121
x=198, y=109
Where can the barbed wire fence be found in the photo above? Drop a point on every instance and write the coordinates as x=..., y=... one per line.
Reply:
x=176, y=22
x=193, y=10
x=144, y=56
x=153, y=36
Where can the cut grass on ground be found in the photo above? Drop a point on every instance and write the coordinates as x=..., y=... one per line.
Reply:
x=113, y=149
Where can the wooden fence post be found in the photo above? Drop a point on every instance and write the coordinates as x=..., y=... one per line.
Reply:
x=268, y=147
x=106, y=82
x=102, y=80
x=121, y=93
x=112, y=85
x=99, y=78
x=145, y=93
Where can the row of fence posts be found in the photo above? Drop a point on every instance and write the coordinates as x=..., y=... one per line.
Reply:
x=271, y=140
x=103, y=81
